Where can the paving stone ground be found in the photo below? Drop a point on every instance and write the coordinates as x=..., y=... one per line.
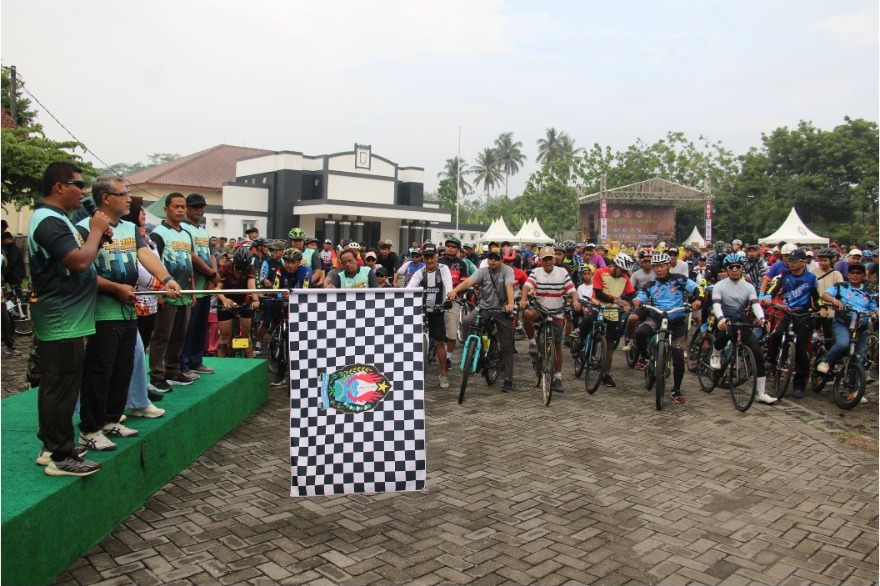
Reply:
x=594, y=489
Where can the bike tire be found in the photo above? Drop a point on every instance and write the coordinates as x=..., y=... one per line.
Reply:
x=784, y=370
x=580, y=359
x=595, y=364
x=492, y=359
x=23, y=327
x=274, y=357
x=849, y=385
x=706, y=375
x=549, y=362
x=817, y=379
x=698, y=343
x=470, y=351
x=742, y=375
x=870, y=357
x=660, y=355
x=632, y=356
x=462, y=333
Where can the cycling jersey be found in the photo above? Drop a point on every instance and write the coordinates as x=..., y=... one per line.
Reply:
x=175, y=247
x=457, y=268
x=408, y=269
x=298, y=279
x=798, y=291
x=436, y=284
x=202, y=248
x=732, y=299
x=272, y=269
x=854, y=299
x=669, y=293
x=117, y=262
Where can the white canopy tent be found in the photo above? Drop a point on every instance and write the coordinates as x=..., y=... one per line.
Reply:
x=793, y=230
x=532, y=233
x=497, y=232
x=695, y=236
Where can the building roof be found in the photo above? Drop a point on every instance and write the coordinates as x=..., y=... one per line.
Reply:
x=654, y=189
x=6, y=120
x=207, y=169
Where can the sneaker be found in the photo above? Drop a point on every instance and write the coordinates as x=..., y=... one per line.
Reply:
x=119, y=430
x=533, y=348
x=150, y=412
x=823, y=367
x=628, y=345
x=122, y=418
x=507, y=386
x=193, y=376
x=557, y=385
x=765, y=398
x=444, y=382
x=154, y=397
x=715, y=362
x=608, y=381
x=202, y=369
x=46, y=456
x=677, y=397
x=159, y=386
x=178, y=380
x=96, y=441
x=280, y=381
x=72, y=466
x=798, y=393
x=448, y=363
x=11, y=351
x=640, y=365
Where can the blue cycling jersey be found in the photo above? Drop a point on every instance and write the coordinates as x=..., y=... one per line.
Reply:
x=798, y=290
x=855, y=299
x=668, y=293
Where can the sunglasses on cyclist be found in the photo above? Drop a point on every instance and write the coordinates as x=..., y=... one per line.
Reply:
x=78, y=184
x=734, y=267
x=493, y=256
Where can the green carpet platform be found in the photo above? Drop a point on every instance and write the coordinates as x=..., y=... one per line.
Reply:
x=49, y=522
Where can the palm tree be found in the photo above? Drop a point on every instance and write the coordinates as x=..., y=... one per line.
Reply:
x=454, y=171
x=510, y=156
x=549, y=146
x=487, y=170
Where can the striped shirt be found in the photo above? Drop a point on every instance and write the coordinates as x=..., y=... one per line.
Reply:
x=550, y=288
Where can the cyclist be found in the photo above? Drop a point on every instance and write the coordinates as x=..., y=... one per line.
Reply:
x=352, y=275
x=437, y=280
x=826, y=276
x=459, y=270
x=799, y=291
x=754, y=266
x=731, y=299
x=408, y=269
x=571, y=261
x=237, y=275
x=294, y=275
x=853, y=295
x=496, y=292
x=777, y=268
x=550, y=285
x=612, y=287
x=667, y=292
x=592, y=257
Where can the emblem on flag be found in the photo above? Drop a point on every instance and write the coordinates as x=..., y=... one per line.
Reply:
x=354, y=388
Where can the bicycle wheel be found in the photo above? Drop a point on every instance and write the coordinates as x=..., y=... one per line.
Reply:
x=817, y=379
x=871, y=354
x=849, y=385
x=698, y=342
x=548, y=356
x=660, y=357
x=784, y=370
x=580, y=359
x=462, y=329
x=595, y=364
x=707, y=376
x=632, y=356
x=469, y=353
x=742, y=377
x=275, y=351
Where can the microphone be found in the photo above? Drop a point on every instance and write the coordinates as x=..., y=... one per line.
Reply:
x=89, y=206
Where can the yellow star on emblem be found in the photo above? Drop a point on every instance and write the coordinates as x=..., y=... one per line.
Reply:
x=382, y=386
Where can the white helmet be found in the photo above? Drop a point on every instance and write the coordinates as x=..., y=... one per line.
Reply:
x=789, y=248
x=660, y=258
x=624, y=261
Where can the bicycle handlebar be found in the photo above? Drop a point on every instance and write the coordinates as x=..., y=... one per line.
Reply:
x=669, y=312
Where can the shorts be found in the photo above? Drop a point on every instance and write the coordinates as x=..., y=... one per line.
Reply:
x=224, y=314
x=452, y=319
x=437, y=326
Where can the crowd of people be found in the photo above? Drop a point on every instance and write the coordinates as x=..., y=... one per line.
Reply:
x=107, y=289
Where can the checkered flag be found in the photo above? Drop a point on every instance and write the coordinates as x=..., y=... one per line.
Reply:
x=357, y=404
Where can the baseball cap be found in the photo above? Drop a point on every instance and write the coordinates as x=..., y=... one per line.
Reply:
x=381, y=272
x=547, y=251
x=797, y=255
x=195, y=199
x=855, y=252
x=328, y=241
x=389, y=242
x=590, y=245
x=371, y=255
x=430, y=251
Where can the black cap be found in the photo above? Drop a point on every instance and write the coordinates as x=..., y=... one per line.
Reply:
x=429, y=250
x=195, y=199
x=381, y=272
x=798, y=255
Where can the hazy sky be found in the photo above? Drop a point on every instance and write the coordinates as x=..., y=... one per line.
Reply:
x=131, y=78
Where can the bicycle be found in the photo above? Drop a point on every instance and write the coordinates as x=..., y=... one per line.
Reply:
x=738, y=369
x=848, y=374
x=19, y=310
x=279, y=340
x=465, y=304
x=590, y=361
x=482, y=350
x=701, y=339
x=544, y=362
x=240, y=339
x=659, y=366
x=785, y=356
x=429, y=344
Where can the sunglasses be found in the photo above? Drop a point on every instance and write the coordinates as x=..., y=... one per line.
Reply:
x=123, y=194
x=734, y=267
x=494, y=256
x=78, y=184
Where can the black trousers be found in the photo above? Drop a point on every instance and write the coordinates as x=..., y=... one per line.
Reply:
x=677, y=344
x=107, y=373
x=61, y=377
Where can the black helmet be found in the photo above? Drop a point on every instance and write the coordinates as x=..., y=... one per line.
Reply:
x=798, y=255
x=242, y=258
x=454, y=241
x=292, y=255
x=827, y=253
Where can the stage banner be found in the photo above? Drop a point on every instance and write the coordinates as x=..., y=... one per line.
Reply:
x=357, y=402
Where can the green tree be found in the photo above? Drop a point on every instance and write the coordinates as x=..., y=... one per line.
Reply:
x=26, y=152
x=26, y=115
x=455, y=170
x=510, y=157
x=550, y=197
x=487, y=171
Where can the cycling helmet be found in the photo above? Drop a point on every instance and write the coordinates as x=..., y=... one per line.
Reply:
x=660, y=258
x=259, y=242
x=353, y=246
x=569, y=245
x=719, y=246
x=509, y=253
x=624, y=261
x=868, y=255
x=798, y=255
x=243, y=243
x=558, y=246
x=730, y=259
x=870, y=244
x=292, y=255
x=827, y=253
x=310, y=240
x=789, y=248
x=455, y=241
x=296, y=234
x=242, y=258
x=737, y=242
